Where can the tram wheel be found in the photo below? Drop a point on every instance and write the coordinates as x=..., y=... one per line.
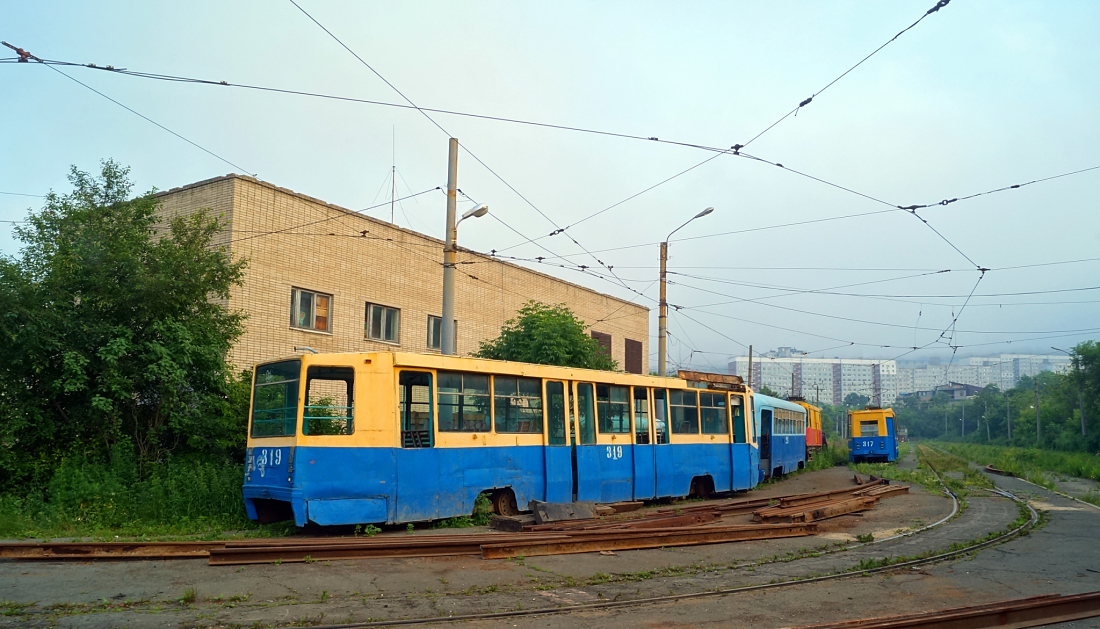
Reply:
x=504, y=502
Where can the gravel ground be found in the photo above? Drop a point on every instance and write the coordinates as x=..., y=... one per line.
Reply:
x=1061, y=557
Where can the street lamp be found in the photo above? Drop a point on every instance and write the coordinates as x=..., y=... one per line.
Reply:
x=662, y=315
x=1077, y=379
x=447, y=340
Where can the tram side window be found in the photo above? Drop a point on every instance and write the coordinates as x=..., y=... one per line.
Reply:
x=463, y=402
x=712, y=408
x=737, y=406
x=641, y=415
x=613, y=408
x=517, y=404
x=414, y=407
x=868, y=429
x=685, y=412
x=329, y=402
x=275, y=399
x=660, y=415
x=586, y=422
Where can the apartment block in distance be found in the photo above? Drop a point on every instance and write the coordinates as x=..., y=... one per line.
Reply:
x=827, y=380
x=335, y=280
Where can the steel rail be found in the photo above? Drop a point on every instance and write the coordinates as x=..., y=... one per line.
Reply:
x=1034, y=611
x=727, y=591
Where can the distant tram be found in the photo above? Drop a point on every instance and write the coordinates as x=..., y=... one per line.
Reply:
x=398, y=437
x=874, y=436
x=815, y=437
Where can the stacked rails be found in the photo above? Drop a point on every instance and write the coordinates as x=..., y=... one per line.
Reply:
x=684, y=525
x=829, y=504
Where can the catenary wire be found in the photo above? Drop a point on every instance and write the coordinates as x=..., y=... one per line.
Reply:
x=939, y=5
x=136, y=113
x=440, y=127
x=424, y=111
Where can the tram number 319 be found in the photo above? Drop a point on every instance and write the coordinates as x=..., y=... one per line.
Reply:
x=614, y=452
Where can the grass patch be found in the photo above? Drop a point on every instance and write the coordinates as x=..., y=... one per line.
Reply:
x=1030, y=463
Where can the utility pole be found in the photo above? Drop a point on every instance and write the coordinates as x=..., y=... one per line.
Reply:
x=986, y=415
x=662, y=314
x=750, y=365
x=447, y=340
x=1038, y=421
x=662, y=320
x=1008, y=416
x=792, y=384
x=964, y=422
x=945, y=423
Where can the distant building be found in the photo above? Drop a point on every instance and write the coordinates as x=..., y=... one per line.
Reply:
x=956, y=390
x=1003, y=371
x=825, y=380
x=336, y=280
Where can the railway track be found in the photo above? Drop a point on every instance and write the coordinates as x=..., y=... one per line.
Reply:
x=990, y=614
x=687, y=525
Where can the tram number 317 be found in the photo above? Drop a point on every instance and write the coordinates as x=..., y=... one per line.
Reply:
x=614, y=452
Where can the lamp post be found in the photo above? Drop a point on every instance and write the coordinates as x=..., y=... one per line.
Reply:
x=447, y=325
x=1077, y=379
x=662, y=315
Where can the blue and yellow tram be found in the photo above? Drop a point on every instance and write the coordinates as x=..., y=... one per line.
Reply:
x=398, y=437
x=782, y=435
x=874, y=437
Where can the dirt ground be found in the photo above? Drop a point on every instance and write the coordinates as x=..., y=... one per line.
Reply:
x=155, y=593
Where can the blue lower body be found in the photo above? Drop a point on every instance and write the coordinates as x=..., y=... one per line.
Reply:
x=872, y=449
x=332, y=486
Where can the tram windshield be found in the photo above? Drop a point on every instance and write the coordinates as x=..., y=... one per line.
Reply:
x=275, y=399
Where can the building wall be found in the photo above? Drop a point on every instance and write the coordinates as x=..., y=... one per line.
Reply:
x=1003, y=371
x=294, y=241
x=827, y=380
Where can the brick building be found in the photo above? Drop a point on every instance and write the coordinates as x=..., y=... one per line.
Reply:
x=338, y=281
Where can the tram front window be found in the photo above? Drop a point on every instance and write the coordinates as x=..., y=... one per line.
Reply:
x=275, y=399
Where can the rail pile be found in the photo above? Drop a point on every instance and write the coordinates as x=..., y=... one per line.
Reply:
x=685, y=525
x=828, y=504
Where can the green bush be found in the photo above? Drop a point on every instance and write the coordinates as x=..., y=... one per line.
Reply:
x=87, y=497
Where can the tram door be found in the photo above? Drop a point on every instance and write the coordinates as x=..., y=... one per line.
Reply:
x=645, y=462
x=766, y=441
x=662, y=451
x=586, y=454
x=560, y=461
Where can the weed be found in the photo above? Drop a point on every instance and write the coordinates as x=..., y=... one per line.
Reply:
x=409, y=528
x=866, y=538
x=189, y=596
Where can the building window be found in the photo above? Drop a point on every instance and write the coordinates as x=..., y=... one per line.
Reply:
x=383, y=324
x=604, y=340
x=633, y=356
x=310, y=310
x=435, y=333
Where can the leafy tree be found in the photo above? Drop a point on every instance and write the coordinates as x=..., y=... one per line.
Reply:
x=766, y=390
x=113, y=335
x=855, y=400
x=547, y=335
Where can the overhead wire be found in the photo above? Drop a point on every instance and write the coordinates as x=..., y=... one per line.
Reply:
x=939, y=5
x=466, y=148
x=129, y=109
x=731, y=151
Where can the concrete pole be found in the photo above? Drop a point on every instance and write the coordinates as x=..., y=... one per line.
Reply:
x=750, y=366
x=1038, y=421
x=662, y=320
x=447, y=340
x=1008, y=417
x=1080, y=395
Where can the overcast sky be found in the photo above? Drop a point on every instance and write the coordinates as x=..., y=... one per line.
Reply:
x=978, y=96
